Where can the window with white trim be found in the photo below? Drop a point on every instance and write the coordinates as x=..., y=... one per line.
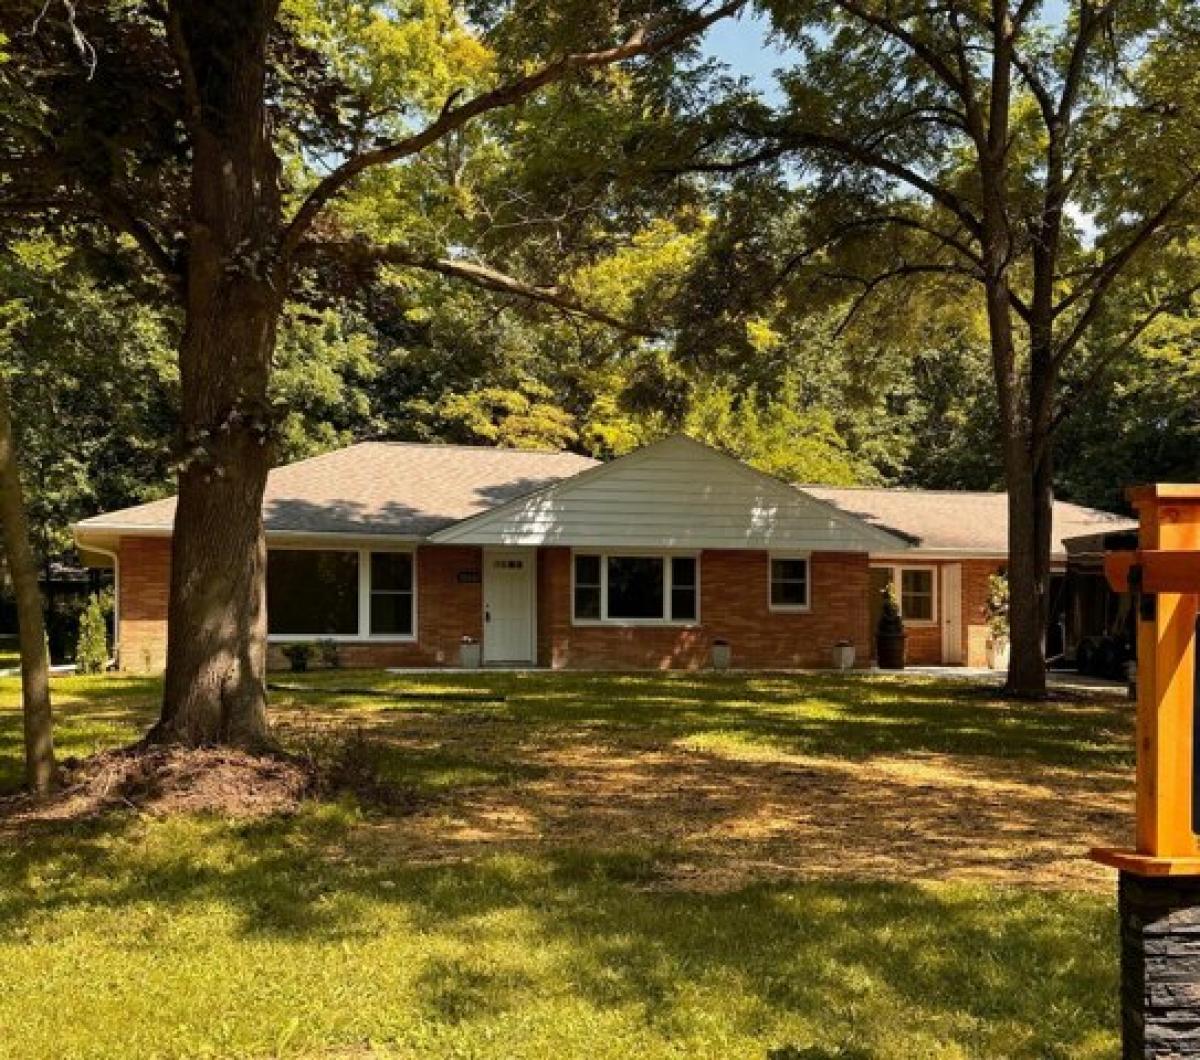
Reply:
x=628, y=588
x=391, y=594
x=789, y=583
x=916, y=594
x=340, y=593
x=312, y=592
x=916, y=589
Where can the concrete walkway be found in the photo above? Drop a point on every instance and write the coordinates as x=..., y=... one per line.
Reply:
x=1067, y=680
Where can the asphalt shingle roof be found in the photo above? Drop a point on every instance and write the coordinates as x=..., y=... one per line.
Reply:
x=958, y=520
x=382, y=488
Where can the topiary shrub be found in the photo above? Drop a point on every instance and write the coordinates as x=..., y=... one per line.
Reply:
x=91, y=650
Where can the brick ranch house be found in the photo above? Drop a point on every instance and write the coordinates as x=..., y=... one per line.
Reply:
x=398, y=551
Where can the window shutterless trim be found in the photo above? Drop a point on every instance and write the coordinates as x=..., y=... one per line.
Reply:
x=668, y=584
x=795, y=609
x=897, y=570
x=364, y=634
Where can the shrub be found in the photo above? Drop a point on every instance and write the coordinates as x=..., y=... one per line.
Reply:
x=298, y=655
x=91, y=650
x=330, y=656
x=890, y=620
x=997, y=606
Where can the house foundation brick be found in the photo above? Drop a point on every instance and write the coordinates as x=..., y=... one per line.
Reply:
x=1160, y=967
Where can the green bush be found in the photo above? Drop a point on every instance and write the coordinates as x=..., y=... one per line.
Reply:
x=91, y=650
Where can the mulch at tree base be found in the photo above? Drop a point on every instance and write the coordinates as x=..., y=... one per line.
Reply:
x=166, y=780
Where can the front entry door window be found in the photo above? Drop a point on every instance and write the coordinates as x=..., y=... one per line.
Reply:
x=508, y=620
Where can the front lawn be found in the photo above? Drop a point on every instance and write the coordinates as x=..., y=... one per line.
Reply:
x=665, y=866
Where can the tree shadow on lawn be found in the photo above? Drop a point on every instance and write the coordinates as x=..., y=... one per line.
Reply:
x=90, y=714
x=834, y=964
x=849, y=717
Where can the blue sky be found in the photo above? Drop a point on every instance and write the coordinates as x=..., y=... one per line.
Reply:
x=742, y=44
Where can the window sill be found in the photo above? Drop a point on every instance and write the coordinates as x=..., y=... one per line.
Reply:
x=633, y=623
x=784, y=609
x=339, y=638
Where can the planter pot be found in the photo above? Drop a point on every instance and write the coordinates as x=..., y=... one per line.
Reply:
x=470, y=656
x=997, y=654
x=721, y=655
x=890, y=650
x=843, y=657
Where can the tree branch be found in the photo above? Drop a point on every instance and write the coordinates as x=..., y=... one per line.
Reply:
x=454, y=116
x=1172, y=303
x=1107, y=274
x=481, y=276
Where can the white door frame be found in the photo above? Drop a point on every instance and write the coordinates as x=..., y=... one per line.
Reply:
x=952, y=614
x=530, y=556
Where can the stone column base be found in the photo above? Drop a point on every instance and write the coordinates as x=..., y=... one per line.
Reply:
x=1160, y=966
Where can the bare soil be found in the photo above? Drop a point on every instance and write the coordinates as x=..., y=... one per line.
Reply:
x=167, y=780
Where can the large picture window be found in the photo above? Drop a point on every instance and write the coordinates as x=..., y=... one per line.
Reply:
x=350, y=593
x=636, y=588
x=312, y=593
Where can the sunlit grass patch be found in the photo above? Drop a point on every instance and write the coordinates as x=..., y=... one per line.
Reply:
x=599, y=866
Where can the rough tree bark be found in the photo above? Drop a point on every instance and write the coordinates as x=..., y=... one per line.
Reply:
x=215, y=688
x=22, y=569
x=235, y=270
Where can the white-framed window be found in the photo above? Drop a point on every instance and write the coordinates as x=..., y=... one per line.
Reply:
x=916, y=589
x=341, y=594
x=635, y=588
x=790, y=583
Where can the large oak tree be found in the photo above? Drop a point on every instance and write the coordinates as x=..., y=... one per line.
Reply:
x=1035, y=157
x=218, y=138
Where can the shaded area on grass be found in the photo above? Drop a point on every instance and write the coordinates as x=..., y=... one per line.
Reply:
x=152, y=927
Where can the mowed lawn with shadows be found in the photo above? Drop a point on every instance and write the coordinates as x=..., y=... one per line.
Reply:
x=603, y=866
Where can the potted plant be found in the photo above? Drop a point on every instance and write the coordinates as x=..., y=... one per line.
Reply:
x=890, y=637
x=721, y=654
x=843, y=655
x=997, y=622
x=470, y=653
x=330, y=656
x=298, y=655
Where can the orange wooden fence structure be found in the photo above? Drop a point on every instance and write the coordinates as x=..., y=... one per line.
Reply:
x=1164, y=573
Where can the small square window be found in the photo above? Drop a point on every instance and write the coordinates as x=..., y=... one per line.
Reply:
x=916, y=595
x=789, y=583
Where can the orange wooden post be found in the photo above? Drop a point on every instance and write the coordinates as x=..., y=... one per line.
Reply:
x=1166, y=571
x=1159, y=880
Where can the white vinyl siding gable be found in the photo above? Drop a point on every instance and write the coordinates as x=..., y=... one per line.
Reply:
x=677, y=494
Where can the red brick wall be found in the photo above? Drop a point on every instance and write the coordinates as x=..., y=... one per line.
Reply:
x=924, y=646
x=975, y=586
x=733, y=606
x=447, y=609
x=144, y=582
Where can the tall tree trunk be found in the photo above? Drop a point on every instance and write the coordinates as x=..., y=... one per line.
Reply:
x=22, y=569
x=1028, y=573
x=215, y=689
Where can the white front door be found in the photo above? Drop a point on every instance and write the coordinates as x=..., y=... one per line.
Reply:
x=508, y=602
x=952, y=614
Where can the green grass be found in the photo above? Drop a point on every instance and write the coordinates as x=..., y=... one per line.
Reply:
x=329, y=934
